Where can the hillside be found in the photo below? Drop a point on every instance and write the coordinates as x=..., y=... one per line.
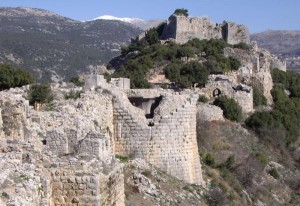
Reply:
x=279, y=41
x=55, y=47
x=283, y=43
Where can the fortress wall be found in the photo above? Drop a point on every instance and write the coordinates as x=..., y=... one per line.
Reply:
x=95, y=144
x=279, y=64
x=244, y=99
x=62, y=141
x=207, y=112
x=72, y=186
x=57, y=142
x=234, y=34
x=169, y=143
x=201, y=28
x=183, y=29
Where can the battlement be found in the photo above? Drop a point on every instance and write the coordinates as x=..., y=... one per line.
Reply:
x=183, y=29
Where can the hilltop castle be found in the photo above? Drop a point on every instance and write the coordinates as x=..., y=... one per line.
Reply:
x=69, y=153
x=182, y=29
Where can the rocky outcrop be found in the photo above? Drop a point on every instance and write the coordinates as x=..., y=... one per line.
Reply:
x=256, y=68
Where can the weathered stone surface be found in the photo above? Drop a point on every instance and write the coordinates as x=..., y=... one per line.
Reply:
x=206, y=112
x=256, y=68
x=183, y=29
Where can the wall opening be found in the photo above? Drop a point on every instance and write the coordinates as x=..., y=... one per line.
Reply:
x=146, y=104
x=217, y=92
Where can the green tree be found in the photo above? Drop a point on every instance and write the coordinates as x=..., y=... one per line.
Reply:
x=232, y=110
x=185, y=51
x=13, y=77
x=40, y=93
x=187, y=74
x=234, y=63
x=152, y=36
x=181, y=12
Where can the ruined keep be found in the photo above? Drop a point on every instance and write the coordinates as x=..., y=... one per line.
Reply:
x=166, y=139
x=183, y=29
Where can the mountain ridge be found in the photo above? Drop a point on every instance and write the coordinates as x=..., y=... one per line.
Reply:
x=283, y=43
x=56, y=47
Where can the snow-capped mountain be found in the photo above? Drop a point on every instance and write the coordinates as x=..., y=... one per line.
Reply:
x=143, y=24
x=125, y=19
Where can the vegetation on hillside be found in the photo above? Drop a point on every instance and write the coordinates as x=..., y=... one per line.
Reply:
x=232, y=110
x=49, y=44
x=77, y=81
x=283, y=122
x=258, y=97
x=11, y=76
x=184, y=65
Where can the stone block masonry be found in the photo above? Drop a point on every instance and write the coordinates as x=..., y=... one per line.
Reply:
x=183, y=29
x=74, y=186
x=167, y=141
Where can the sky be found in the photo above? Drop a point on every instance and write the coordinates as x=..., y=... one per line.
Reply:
x=258, y=15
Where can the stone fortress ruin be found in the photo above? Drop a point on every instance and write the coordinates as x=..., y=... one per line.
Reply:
x=68, y=153
x=182, y=29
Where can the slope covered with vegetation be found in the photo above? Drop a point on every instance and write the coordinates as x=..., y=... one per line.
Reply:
x=185, y=64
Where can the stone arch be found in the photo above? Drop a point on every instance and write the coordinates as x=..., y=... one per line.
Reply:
x=217, y=92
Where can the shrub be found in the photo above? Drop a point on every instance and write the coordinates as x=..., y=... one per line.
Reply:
x=152, y=36
x=40, y=93
x=202, y=99
x=77, y=81
x=73, y=95
x=234, y=63
x=215, y=196
x=122, y=158
x=232, y=110
x=262, y=120
x=274, y=173
x=209, y=159
x=241, y=45
x=258, y=97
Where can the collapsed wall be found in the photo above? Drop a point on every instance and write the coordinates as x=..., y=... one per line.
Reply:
x=256, y=68
x=183, y=29
x=167, y=141
x=61, y=157
x=219, y=85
